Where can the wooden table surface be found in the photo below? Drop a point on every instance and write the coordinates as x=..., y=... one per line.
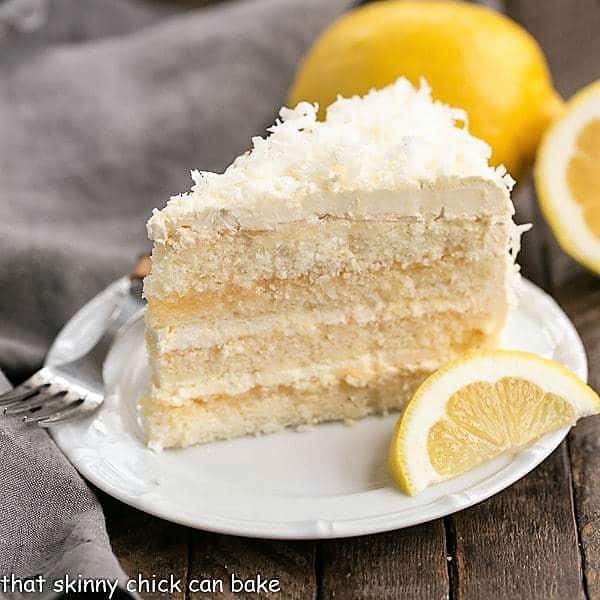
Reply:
x=538, y=539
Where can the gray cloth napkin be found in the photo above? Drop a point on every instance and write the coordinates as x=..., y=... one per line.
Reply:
x=52, y=524
x=105, y=106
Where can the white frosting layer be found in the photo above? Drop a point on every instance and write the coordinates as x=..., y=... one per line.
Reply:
x=352, y=165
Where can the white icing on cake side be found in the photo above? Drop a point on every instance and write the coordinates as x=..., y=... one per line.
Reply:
x=392, y=139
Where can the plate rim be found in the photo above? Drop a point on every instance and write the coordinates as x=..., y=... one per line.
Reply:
x=316, y=528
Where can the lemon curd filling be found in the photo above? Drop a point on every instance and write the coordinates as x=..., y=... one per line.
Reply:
x=300, y=287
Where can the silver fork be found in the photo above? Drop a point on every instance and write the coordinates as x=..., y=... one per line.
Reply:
x=73, y=389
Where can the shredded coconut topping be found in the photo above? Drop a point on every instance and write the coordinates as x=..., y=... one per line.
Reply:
x=393, y=137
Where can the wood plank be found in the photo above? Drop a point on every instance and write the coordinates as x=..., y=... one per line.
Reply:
x=410, y=564
x=578, y=292
x=580, y=297
x=521, y=543
x=219, y=557
x=147, y=546
x=584, y=447
x=568, y=32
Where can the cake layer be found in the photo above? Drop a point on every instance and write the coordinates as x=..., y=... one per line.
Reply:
x=413, y=291
x=266, y=410
x=327, y=247
x=323, y=351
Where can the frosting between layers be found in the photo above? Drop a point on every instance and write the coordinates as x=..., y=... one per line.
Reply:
x=352, y=165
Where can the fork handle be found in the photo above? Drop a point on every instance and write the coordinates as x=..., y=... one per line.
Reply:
x=142, y=267
x=127, y=302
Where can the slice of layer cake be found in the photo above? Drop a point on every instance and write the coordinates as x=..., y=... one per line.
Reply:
x=327, y=271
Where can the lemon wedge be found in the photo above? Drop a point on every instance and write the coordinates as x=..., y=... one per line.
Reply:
x=478, y=407
x=567, y=177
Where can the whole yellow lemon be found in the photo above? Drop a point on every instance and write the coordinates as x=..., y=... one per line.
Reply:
x=471, y=56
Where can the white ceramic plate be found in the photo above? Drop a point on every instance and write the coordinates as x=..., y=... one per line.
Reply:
x=320, y=482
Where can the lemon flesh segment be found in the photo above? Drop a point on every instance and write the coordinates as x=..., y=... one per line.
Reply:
x=583, y=174
x=567, y=177
x=485, y=420
x=481, y=406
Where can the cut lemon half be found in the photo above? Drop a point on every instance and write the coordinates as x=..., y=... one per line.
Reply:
x=567, y=177
x=478, y=407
